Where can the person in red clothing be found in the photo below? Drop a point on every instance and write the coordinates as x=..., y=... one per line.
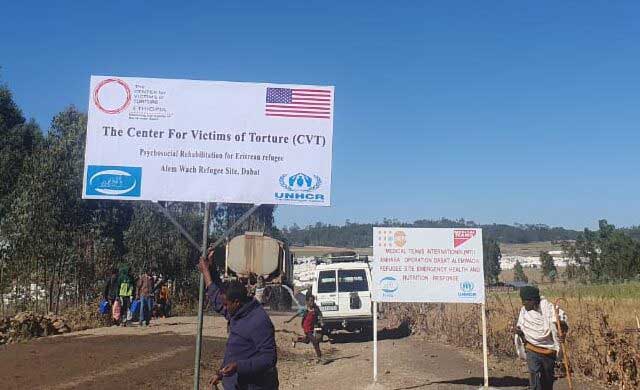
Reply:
x=310, y=317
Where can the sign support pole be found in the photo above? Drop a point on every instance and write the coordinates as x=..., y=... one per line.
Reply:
x=375, y=341
x=182, y=230
x=203, y=248
x=485, y=354
x=205, y=235
x=205, y=239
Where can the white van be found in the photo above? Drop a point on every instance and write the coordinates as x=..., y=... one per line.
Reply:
x=343, y=294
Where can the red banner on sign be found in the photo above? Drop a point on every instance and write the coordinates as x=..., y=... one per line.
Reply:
x=460, y=236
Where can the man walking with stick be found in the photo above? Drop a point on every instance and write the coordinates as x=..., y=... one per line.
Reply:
x=250, y=356
x=537, y=326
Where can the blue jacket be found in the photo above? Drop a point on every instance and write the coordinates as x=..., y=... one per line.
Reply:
x=251, y=344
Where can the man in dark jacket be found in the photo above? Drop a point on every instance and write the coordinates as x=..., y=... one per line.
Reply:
x=111, y=287
x=250, y=356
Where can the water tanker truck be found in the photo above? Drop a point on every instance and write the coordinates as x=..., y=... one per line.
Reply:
x=253, y=254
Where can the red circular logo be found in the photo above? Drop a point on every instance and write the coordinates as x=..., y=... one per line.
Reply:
x=119, y=107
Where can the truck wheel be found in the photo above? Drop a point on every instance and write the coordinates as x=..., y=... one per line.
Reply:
x=274, y=299
x=285, y=300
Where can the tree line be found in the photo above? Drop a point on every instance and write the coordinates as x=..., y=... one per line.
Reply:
x=606, y=255
x=359, y=234
x=56, y=248
x=603, y=256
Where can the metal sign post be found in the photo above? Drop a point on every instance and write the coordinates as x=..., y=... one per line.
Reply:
x=445, y=284
x=485, y=353
x=205, y=239
x=203, y=248
x=375, y=341
x=224, y=236
x=182, y=230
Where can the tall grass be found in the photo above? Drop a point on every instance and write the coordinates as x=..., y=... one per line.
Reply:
x=602, y=341
x=630, y=290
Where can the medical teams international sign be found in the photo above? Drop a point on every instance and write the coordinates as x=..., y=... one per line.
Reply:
x=208, y=141
x=428, y=265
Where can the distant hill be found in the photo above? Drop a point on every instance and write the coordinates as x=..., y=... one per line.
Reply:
x=359, y=235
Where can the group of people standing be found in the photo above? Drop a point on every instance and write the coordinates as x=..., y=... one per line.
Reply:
x=132, y=298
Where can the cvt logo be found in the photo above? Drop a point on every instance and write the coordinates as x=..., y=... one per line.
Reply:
x=467, y=290
x=113, y=180
x=112, y=96
x=300, y=187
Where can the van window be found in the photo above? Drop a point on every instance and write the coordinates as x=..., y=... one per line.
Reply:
x=327, y=282
x=350, y=280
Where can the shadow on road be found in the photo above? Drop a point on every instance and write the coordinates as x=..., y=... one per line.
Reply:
x=400, y=332
x=330, y=360
x=287, y=331
x=505, y=381
x=413, y=387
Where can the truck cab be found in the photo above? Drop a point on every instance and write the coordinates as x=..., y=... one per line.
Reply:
x=343, y=294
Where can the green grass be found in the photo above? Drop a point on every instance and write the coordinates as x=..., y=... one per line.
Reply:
x=630, y=290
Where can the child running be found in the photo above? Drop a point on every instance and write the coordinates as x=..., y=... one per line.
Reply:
x=310, y=317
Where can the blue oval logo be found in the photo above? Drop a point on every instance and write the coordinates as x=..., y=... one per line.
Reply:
x=113, y=181
x=389, y=284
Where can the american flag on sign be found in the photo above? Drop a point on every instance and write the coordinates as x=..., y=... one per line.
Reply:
x=298, y=103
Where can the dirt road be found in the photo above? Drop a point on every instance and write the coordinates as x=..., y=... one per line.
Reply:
x=161, y=357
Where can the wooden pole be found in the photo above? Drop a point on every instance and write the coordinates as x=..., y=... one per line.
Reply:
x=565, y=352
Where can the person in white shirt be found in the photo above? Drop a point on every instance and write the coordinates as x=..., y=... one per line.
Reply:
x=537, y=327
x=260, y=286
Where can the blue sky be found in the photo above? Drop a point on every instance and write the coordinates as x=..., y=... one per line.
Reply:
x=494, y=111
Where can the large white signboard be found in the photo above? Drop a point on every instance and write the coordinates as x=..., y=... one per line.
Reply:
x=186, y=140
x=428, y=265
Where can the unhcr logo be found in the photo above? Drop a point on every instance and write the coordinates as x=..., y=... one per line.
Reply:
x=113, y=180
x=467, y=290
x=300, y=182
x=300, y=187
